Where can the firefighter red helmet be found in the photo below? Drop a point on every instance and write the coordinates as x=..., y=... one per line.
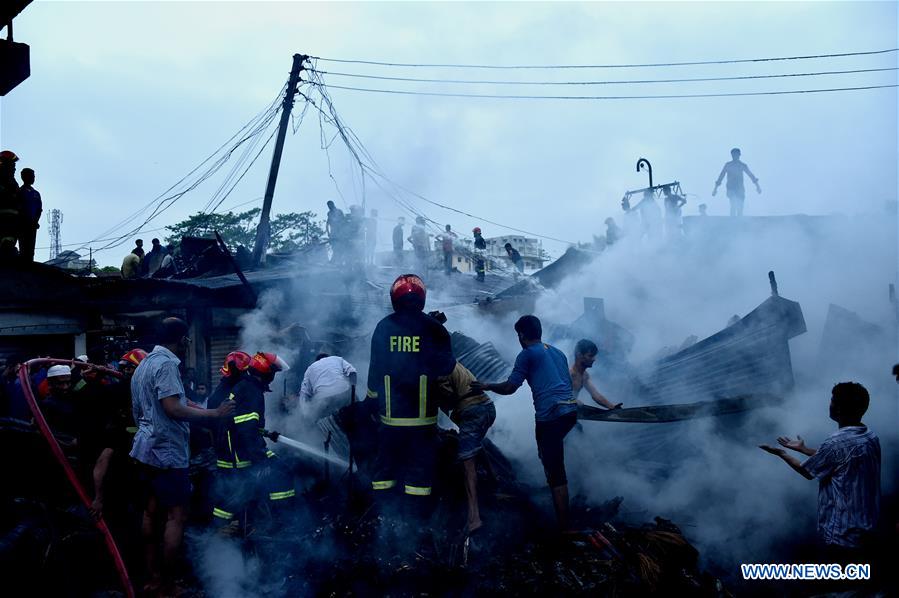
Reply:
x=408, y=290
x=267, y=364
x=8, y=156
x=476, y=230
x=239, y=360
x=133, y=357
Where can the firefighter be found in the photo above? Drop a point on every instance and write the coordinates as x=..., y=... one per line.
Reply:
x=10, y=208
x=233, y=370
x=480, y=248
x=203, y=467
x=410, y=350
x=248, y=472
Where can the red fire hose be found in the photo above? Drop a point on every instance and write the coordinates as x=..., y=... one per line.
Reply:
x=25, y=380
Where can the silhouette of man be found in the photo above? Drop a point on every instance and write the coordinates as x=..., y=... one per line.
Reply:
x=735, y=191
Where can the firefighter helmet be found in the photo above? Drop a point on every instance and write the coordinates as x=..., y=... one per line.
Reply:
x=239, y=360
x=476, y=230
x=133, y=357
x=267, y=364
x=8, y=156
x=408, y=290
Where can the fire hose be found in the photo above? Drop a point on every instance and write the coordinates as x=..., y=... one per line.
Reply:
x=25, y=380
x=279, y=438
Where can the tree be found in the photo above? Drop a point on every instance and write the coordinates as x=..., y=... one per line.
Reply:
x=295, y=230
x=235, y=229
x=289, y=232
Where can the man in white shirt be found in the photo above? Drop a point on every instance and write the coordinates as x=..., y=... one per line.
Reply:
x=328, y=381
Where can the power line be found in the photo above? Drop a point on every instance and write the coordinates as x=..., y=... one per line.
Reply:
x=620, y=82
x=167, y=202
x=161, y=197
x=607, y=66
x=374, y=172
x=149, y=230
x=595, y=98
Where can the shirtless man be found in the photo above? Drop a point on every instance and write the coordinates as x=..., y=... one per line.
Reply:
x=584, y=356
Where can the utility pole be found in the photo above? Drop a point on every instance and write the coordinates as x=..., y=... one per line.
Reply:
x=263, y=231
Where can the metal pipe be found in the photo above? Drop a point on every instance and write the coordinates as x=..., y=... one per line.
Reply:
x=643, y=163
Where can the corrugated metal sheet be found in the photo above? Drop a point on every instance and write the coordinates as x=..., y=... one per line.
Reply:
x=752, y=356
x=484, y=361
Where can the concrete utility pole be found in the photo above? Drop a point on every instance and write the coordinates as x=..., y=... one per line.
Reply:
x=263, y=231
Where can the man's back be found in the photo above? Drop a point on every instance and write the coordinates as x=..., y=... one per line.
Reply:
x=546, y=370
x=130, y=266
x=398, y=237
x=847, y=466
x=419, y=238
x=329, y=375
x=31, y=204
x=160, y=441
x=409, y=351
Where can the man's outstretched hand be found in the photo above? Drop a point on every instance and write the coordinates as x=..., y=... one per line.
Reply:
x=797, y=445
x=779, y=452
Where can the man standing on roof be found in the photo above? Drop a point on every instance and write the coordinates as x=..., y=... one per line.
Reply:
x=546, y=370
x=480, y=247
x=410, y=350
x=371, y=237
x=335, y=226
x=32, y=208
x=446, y=241
x=399, y=238
x=419, y=240
x=735, y=191
x=515, y=256
x=249, y=473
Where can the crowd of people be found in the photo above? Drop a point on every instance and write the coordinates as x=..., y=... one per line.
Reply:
x=153, y=446
x=159, y=262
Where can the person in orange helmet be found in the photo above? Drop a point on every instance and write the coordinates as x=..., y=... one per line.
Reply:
x=248, y=473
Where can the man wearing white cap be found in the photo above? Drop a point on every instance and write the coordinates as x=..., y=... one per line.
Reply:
x=59, y=408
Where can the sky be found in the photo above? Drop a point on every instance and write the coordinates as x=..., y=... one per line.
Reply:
x=125, y=98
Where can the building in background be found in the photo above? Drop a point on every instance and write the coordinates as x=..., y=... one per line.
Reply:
x=69, y=260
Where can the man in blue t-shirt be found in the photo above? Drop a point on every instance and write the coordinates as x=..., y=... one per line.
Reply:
x=546, y=370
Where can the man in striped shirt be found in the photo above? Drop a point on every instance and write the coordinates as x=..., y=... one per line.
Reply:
x=847, y=466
